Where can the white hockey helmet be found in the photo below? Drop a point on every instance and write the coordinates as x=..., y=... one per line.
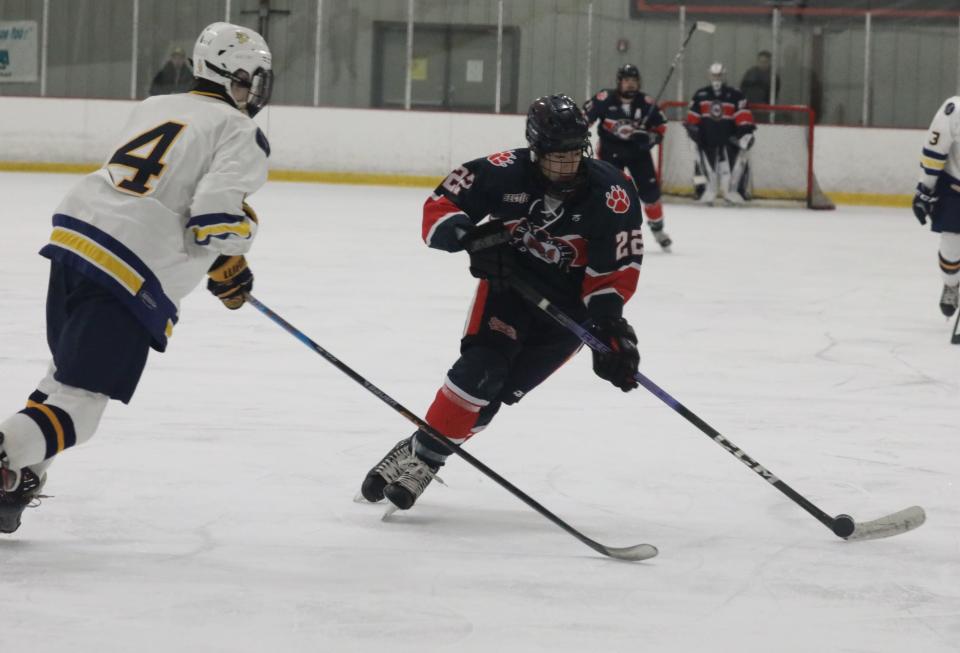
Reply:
x=228, y=54
x=718, y=74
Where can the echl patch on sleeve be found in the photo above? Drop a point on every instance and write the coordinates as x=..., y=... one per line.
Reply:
x=949, y=108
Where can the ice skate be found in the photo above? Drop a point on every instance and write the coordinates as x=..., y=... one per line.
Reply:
x=386, y=471
x=709, y=195
x=949, y=299
x=18, y=491
x=733, y=197
x=662, y=238
x=414, y=479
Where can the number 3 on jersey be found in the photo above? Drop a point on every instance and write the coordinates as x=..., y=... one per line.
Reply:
x=144, y=154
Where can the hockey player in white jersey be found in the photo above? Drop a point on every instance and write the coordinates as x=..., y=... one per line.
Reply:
x=132, y=239
x=938, y=195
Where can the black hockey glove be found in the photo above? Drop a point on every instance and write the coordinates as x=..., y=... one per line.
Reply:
x=923, y=203
x=693, y=131
x=230, y=280
x=619, y=365
x=491, y=256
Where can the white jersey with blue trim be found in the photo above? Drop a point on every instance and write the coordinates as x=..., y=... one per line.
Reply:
x=170, y=199
x=941, y=148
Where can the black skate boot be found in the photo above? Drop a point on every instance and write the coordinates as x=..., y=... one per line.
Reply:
x=949, y=299
x=414, y=479
x=386, y=471
x=661, y=237
x=18, y=491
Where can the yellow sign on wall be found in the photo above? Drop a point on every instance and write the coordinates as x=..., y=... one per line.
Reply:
x=418, y=69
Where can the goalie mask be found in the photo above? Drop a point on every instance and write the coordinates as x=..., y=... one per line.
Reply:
x=718, y=75
x=559, y=136
x=238, y=59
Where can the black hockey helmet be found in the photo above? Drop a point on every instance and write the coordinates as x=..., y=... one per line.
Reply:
x=556, y=124
x=628, y=70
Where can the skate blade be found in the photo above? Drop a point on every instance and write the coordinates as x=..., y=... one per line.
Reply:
x=359, y=499
x=389, y=512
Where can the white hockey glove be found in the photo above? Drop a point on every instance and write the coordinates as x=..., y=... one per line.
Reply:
x=745, y=142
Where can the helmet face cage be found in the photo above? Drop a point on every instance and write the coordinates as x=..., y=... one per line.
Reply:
x=628, y=71
x=718, y=75
x=555, y=124
x=261, y=88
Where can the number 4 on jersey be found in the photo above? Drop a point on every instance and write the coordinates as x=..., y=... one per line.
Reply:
x=145, y=155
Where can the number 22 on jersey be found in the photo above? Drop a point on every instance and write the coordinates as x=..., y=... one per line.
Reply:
x=144, y=155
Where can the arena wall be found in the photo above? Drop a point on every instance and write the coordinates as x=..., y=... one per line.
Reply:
x=853, y=165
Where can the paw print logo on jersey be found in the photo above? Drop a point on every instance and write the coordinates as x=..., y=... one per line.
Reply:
x=617, y=200
x=502, y=159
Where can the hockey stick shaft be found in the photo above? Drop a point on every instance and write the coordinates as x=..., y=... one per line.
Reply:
x=673, y=66
x=594, y=343
x=637, y=552
x=955, y=337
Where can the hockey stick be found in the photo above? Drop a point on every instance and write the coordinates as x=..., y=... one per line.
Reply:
x=842, y=525
x=635, y=552
x=700, y=25
x=955, y=338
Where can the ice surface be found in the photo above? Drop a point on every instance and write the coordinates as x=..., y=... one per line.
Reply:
x=215, y=512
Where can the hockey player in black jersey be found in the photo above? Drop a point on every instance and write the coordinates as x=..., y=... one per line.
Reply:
x=560, y=221
x=630, y=125
x=722, y=127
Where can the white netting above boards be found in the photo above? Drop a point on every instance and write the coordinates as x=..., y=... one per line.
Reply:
x=780, y=160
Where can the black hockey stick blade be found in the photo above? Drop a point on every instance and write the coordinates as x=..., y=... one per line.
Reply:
x=631, y=553
x=955, y=338
x=894, y=524
x=843, y=526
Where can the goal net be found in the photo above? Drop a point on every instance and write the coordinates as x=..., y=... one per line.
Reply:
x=781, y=160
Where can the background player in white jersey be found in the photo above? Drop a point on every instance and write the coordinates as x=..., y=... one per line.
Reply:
x=132, y=239
x=938, y=195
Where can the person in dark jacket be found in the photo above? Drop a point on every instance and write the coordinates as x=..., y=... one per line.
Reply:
x=756, y=81
x=176, y=76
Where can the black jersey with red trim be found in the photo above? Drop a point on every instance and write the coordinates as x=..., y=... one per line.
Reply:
x=619, y=120
x=583, y=251
x=719, y=114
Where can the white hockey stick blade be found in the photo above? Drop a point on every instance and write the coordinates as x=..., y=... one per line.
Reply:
x=704, y=26
x=895, y=524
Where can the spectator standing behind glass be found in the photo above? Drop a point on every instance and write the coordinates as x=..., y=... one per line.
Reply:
x=176, y=76
x=756, y=81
